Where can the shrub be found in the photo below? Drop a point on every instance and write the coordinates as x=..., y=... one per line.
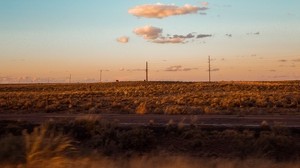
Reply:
x=137, y=139
x=275, y=146
x=142, y=108
x=46, y=148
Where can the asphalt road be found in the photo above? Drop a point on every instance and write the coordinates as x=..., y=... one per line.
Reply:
x=133, y=119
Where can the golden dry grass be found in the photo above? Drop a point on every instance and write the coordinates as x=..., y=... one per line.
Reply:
x=154, y=97
x=46, y=149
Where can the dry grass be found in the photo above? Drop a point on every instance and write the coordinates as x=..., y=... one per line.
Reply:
x=47, y=149
x=132, y=147
x=142, y=108
x=160, y=97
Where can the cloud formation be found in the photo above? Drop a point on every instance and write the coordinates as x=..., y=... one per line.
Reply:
x=228, y=35
x=296, y=60
x=190, y=35
x=135, y=70
x=162, y=10
x=174, y=68
x=255, y=33
x=189, y=69
x=177, y=68
x=282, y=60
x=164, y=40
x=123, y=39
x=154, y=35
x=148, y=32
x=203, y=35
x=215, y=70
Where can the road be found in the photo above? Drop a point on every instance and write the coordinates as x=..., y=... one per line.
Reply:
x=133, y=119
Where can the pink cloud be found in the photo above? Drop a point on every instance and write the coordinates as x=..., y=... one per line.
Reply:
x=123, y=39
x=148, y=32
x=161, y=10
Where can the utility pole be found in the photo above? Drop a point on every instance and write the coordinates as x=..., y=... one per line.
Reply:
x=147, y=71
x=100, y=76
x=70, y=78
x=209, y=69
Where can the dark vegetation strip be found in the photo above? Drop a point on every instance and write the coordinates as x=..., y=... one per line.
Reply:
x=110, y=139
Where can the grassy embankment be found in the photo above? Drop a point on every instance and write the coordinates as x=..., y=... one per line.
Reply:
x=92, y=143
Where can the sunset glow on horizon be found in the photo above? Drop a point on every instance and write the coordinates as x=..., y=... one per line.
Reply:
x=47, y=41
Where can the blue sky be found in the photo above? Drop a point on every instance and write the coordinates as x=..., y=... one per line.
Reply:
x=45, y=40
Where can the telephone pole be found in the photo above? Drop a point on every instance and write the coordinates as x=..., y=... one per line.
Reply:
x=147, y=71
x=70, y=78
x=100, y=76
x=209, y=69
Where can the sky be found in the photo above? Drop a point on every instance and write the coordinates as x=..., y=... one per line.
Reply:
x=48, y=40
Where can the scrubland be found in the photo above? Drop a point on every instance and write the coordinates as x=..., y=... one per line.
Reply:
x=153, y=97
x=94, y=143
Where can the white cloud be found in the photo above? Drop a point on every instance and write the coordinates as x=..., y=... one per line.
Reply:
x=123, y=39
x=169, y=40
x=161, y=10
x=148, y=32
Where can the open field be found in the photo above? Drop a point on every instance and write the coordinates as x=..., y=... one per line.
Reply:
x=150, y=124
x=238, y=98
